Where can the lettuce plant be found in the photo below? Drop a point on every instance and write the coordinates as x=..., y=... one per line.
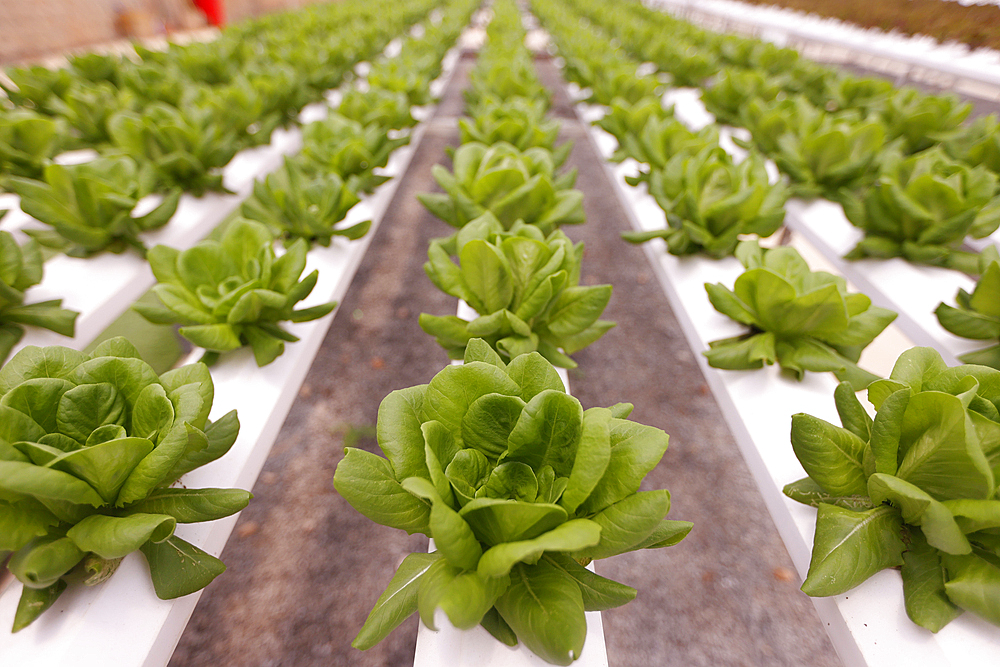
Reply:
x=624, y=118
x=709, y=202
x=660, y=140
x=689, y=67
x=922, y=120
x=922, y=207
x=510, y=184
x=387, y=108
x=91, y=446
x=824, y=154
x=21, y=268
x=733, y=88
x=520, y=122
x=504, y=75
x=623, y=83
x=978, y=314
x=27, y=142
x=37, y=87
x=803, y=320
x=297, y=204
x=89, y=206
x=349, y=149
x=520, y=488
x=235, y=292
x=915, y=488
x=87, y=109
x=978, y=143
x=525, y=287
x=187, y=149
x=407, y=74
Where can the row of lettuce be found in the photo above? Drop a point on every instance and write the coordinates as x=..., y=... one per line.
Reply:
x=91, y=444
x=518, y=485
x=90, y=207
x=915, y=487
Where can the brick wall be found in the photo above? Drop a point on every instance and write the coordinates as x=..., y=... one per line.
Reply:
x=33, y=29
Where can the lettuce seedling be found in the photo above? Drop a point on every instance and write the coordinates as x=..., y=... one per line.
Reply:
x=803, y=320
x=349, y=149
x=386, y=108
x=525, y=287
x=91, y=446
x=709, y=202
x=187, y=149
x=89, y=206
x=978, y=314
x=519, y=487
x=21, y=268
x=922, y=207
x=510, y=184
x=235, y=292
x=297, y=203
x=520, y=122
x=915, y=488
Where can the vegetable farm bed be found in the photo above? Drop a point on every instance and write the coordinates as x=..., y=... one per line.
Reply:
x=305, y=568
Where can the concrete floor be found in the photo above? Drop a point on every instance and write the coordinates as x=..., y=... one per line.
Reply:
x=305, y=568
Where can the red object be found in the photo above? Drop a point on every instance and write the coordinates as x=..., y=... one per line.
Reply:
x=213, y=11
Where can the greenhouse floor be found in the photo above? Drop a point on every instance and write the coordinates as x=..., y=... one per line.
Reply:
x=305, y=568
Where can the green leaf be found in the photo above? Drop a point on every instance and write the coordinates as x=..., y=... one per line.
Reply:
x=973, y=584
x=115, y=537
x=192, y=505
x=452, y=535
x=450, y=393
x=808, y=492
x=577, y=308
x=939, y=456
x=495, y=521
x=397, y=602
x=852, y=414
x=486, y=274
x=464, y=596
x=487, y=424
x=34, y=602
x=366, y=481
x=399, y=434
x=573, y=535
x=544, y=608
x=592, y=457
x=105, y=466
x=599, y=593
x=850, y=547
x=179, y=568
x=548, y=432
x=21, y=521
x=927, y=603
x=635, y=450
x=627, y=523
x=832, y=456
x=533, y=374
x=494, y=624
x=44, y=560
x=887, y=431
x=47, y=484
